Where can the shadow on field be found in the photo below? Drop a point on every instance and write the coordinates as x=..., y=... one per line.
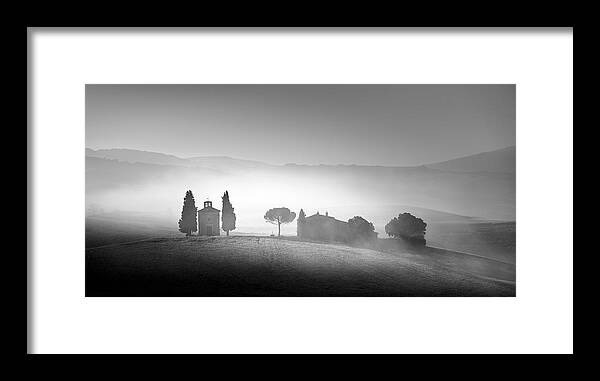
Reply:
x=266, y=266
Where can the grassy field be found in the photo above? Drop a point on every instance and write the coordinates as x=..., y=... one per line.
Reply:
x=267, y=266
x=491, y=239
x=109, y=229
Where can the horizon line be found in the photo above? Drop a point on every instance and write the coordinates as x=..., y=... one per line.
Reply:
x=194, y=156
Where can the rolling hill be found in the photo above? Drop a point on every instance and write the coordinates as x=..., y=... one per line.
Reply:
x=498, y=161
x=264, y=266
x=218, y=163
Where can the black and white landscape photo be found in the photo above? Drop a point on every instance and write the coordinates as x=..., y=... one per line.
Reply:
x=300, y=190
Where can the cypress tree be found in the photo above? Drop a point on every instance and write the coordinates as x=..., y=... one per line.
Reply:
x=227, y=216
x=301, y=221
x=189, y=215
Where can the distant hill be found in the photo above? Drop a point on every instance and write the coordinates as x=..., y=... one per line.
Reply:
x=499, y=161
x=136, y=156
x=225, y=163
x=219, y=163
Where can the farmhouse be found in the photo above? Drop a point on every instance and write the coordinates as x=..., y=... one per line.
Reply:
x=325, y=228
x=208, y=220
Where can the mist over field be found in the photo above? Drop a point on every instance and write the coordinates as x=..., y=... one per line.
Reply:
x=135, y=194
x=136, y=181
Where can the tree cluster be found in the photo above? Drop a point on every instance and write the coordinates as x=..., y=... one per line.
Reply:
x=406, y=226
x=361, y=229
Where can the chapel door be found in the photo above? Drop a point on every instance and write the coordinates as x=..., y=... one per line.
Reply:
x=209, y=230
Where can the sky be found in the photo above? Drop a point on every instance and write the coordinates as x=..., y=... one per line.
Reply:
x=392, y=125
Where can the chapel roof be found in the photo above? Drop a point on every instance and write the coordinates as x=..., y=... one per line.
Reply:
x=208, y=209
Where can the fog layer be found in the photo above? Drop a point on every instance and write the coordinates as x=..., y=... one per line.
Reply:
x=155, y=184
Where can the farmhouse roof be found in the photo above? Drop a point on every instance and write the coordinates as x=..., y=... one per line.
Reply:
x=322, y=217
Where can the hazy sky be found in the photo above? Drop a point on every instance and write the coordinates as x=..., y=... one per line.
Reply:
x=306, y=124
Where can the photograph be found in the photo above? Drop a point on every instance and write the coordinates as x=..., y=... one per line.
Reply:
x=300, y=190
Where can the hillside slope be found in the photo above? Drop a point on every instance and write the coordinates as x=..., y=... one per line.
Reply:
x=253, y=266
x=218, y=163
x=498, y=161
